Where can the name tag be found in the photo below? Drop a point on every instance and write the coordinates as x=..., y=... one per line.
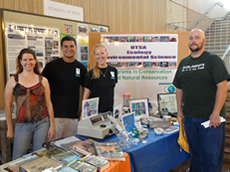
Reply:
x=112, y=74
x=77, y=72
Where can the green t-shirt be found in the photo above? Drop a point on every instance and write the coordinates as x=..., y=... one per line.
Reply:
x=198, y=79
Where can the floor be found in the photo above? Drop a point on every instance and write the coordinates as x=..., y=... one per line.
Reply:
x=184, y=167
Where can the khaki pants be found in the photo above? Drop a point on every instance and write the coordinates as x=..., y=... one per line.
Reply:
x=65, y=127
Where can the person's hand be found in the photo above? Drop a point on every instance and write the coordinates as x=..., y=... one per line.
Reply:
x=51, y=133
x=10, y=133
x=214, y=120
x=180, y=114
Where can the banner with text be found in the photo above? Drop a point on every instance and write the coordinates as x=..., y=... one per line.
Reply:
x=146, y=63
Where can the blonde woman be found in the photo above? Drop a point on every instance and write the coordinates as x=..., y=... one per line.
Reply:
x=34, y=115
x=101, y=80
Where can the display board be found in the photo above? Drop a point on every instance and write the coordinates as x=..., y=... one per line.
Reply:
x=42, y=34
x=146, y=62
x=44, y=41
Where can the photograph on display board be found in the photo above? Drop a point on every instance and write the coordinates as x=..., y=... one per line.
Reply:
x=51, y=49
x=139, y=64
x=38, y=52
x=49, y=43
x=172, y=39
x=131, y=39
x=172, y=64
x=48, y=51
x=105, y=39
x=92, y=29
x=155, y=64
x=130, y=64
x=82, y=29
x=84, y=49
x=147, y=39
x=122, y=64
x=103, y=29
x=114, y=64
x=55, y=52
x=147, y=64
x=84, y=57
x=164, y=64
x=156, y=39
x=164, y=39
x=48, y=47
x=55, y=44
x=114, y=39
x=139, y=107
x=138, y=39
x=90, y=107
x=68, y=29
x=122, y=39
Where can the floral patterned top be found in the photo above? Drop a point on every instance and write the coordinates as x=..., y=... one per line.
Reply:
x=30, y=102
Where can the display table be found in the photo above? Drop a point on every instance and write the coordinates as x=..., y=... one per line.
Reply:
x=161, y=153
x=115, y=166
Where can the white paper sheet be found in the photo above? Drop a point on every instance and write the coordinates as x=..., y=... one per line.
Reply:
x=206, y=123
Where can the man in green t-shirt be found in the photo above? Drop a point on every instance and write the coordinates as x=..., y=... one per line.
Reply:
x=201, y=83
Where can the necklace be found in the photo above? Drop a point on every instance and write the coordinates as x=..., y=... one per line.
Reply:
x=104, y=74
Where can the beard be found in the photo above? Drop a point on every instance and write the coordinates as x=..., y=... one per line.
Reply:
x=198, y=48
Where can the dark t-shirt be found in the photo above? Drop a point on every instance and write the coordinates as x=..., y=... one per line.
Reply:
x=103, y=87
x=65, y=80
x=198, y=79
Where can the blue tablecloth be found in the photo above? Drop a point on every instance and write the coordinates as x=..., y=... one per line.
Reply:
x=161, y=153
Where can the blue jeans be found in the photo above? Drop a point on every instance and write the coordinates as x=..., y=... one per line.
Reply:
x=26, y=132
x=206, y=145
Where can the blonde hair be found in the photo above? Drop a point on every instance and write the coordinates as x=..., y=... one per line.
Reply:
x=96, y=70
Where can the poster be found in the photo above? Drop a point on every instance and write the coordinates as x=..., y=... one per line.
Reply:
x=146, y=63
x=83, y=49
x=43, y=40
x=103, y=29
x=82, y=29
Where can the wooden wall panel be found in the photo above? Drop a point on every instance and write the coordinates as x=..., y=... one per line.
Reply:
x=194, y=16
x=8, y=4
x=40, y=7
x=17, y=5
x=179, y=11
x=1, y=4
x=120, y=15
